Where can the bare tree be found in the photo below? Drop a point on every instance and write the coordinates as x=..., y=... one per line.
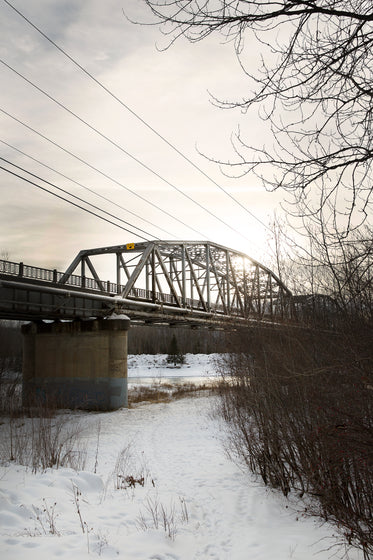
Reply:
x=314, y=86
x=341, y=270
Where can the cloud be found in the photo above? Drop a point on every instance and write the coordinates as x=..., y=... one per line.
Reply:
x=168, y=89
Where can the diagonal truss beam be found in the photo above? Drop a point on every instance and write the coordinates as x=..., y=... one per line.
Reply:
x=136, y=273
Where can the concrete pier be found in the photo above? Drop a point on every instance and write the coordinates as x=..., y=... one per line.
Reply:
x=76, y=364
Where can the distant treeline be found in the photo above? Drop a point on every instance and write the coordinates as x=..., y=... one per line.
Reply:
x=141, y=340
x=157, y=340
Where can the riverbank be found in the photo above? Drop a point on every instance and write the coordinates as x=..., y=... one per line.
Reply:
x=156, y=485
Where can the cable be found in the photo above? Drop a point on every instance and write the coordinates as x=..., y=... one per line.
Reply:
x=101, y=172
x=76, y=197
x=85, y=187
x=136, y=115
x=70, y=202
x=137, y=160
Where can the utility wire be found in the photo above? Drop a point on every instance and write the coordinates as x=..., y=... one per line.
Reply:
x=76, y=197
x=85, y=187
x=137, y=160
x=136, y=115
x=69, y=201
x=101, y=172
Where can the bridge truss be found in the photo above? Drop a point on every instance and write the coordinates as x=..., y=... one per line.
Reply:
x=188, y=276
x=175, y=282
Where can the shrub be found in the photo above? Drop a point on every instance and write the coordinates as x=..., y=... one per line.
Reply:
x=299, y=406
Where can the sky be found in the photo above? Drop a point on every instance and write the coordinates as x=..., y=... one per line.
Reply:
x=168, y=88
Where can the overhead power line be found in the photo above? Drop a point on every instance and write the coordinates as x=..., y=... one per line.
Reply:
x=119, y=147
x=85, y=187
x=136, y=115
x=102, y=173
x=67, y=200
x=76, y=197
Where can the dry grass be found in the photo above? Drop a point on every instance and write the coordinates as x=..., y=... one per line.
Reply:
x=42, y=443
x=166, y=392
x=153, y=394
x=40, y=438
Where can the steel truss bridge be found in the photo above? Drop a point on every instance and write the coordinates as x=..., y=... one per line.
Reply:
x=177, y=283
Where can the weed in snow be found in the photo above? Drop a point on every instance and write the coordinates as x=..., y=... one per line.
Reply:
x=158, y=516
x=45, y=519
x=130, y=469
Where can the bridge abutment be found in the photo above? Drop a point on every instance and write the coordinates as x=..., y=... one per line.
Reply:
x=76, y=364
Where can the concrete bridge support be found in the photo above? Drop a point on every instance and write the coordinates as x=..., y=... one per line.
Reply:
x=76, y=364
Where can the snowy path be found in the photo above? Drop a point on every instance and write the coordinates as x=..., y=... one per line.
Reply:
x=231, y=517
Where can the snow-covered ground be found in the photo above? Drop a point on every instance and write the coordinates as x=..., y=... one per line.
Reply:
x=195, y=503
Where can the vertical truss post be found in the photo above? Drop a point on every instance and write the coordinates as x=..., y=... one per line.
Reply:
x=154, y=278
x=183, y=276
x=83, y=272
x=258, y=290
x=147, y=275
x=228, y=281
x=270, y=296
x=282, y=303
x=246, y=310
x=118, y=273
x=190, y=276
x=207, y=249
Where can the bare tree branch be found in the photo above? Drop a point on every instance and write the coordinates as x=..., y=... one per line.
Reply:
x=314, y=87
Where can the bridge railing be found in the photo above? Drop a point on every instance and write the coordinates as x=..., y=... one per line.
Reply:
x=47, y=275
x=36, y=273
x=7, y=267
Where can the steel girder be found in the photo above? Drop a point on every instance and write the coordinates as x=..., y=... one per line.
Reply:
x=192, y=275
